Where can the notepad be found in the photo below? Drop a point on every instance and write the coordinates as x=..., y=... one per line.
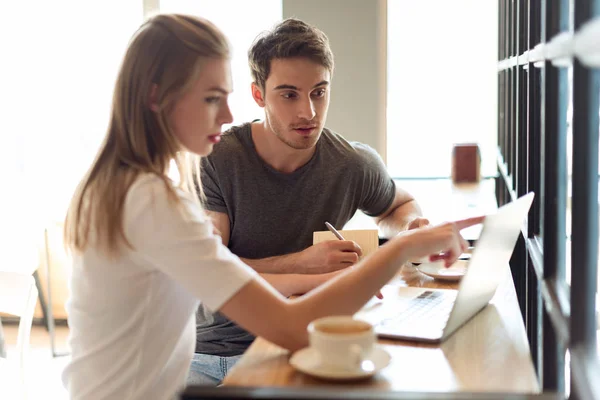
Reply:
x=367, y=239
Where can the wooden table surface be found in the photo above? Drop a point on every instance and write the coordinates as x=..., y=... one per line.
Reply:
x=489, y=354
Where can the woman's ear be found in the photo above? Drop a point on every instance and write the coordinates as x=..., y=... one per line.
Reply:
x=257, y=95
x=152, y=98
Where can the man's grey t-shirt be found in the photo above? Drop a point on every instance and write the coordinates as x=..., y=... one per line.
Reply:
x=273, y=213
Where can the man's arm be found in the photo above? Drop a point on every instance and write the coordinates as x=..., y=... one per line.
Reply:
x=279, y=271
x=321, y=258
x=294, y=284
x=404, y=213
x=284, y=264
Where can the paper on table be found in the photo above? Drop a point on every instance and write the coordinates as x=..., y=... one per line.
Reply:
x=367, y=239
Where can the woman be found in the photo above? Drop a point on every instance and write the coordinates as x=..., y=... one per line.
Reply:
x=144, y=251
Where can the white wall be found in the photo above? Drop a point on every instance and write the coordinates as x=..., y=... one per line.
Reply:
x=356, y=31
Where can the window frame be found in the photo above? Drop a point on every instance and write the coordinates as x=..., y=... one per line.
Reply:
x=533, y=105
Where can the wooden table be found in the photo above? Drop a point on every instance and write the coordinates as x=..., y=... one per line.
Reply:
x=488, y=354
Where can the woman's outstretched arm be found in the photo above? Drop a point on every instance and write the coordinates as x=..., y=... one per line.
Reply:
x=263, y=311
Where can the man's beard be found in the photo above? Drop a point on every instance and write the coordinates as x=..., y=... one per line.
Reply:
x=302, y=143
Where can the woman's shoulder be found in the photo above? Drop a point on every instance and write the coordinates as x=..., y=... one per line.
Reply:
x=145, y=187
x=146, y=183
x=154, y=202
x=161, y=194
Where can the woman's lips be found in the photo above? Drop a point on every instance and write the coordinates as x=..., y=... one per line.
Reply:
x=215, y=138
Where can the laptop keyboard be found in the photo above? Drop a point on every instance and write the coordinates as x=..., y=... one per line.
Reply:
x=429, y=308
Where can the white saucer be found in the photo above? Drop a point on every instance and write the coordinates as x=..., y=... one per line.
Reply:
x=437, y=270
x=308, y=361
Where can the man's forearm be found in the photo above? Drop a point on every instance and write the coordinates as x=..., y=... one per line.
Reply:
x=398, y=220
x=291, y=284
x=284, y=264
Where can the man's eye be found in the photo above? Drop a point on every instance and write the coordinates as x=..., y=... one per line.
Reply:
x=289, y=95
x=211, y=100
x=319, y=93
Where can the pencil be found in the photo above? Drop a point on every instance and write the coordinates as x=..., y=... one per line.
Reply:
x=334, y=231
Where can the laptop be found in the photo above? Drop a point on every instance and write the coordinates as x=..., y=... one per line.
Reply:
x=432, y=315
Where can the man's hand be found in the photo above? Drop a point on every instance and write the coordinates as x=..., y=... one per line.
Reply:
x=418, y=222
x=328, y=256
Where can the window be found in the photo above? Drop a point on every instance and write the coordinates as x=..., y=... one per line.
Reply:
x=569, y=185
x=57, y=81
x=442, y=88
x=558, y=294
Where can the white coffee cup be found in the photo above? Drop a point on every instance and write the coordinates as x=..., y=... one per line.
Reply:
x=342, y=342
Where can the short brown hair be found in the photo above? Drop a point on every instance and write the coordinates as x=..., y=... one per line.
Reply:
x=289, y=38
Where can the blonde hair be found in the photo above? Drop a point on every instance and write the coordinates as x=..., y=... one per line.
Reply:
x=166, y=54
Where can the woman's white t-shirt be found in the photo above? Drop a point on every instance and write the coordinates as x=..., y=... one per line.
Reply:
x=132, y=318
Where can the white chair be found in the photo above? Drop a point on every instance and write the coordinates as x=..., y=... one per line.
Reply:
x=18, y=297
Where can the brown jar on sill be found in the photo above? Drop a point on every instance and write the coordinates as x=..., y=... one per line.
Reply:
x=466, y=162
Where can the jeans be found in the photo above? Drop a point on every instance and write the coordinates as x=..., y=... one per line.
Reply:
x=208, y=370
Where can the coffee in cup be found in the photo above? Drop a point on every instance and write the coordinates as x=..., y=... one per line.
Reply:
x=342, y=342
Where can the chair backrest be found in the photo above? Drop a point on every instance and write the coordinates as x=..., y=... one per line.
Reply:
x=15, y=293
x=18, y=296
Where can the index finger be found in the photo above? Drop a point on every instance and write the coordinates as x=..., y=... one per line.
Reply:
x=465, y=223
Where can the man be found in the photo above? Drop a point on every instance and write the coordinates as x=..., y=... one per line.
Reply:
x=270, y=184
